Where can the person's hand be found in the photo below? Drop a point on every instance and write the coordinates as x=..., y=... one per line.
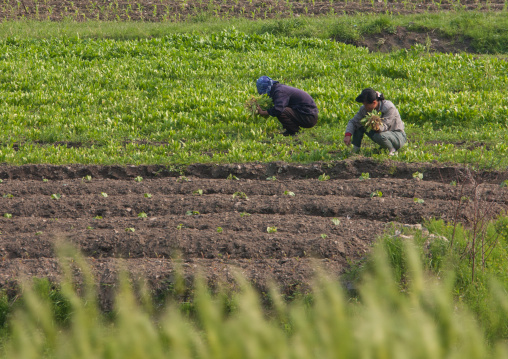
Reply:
x=262, y=112
x=347, y=140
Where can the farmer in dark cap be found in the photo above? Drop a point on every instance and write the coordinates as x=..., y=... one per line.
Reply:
x=294, y=108
x=388, y=134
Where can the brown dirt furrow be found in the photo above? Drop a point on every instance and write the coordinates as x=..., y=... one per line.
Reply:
x=348, y=169
x=382, y=209
x=390, y=187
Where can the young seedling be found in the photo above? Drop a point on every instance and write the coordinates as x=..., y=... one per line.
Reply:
x=8, y=195
x=289, y=193
x=335, y=221
x=142, y=215
x=87, y=178
x=148, y=195
x=45, y=180
x=130, y=229
x=232, y=177
x=1, y=180
x=244, y=214
x=7, y=215
x=89, y=227
x=504, y=183
x=38, y=233
x=97, y=217
x=198, y=192
x=192, y=213
x=242, y=195
x=180, y=226
x=376, y=194
x=418, y=200
x=219, y=230
x=271, y=229
x=324, y=236
x=56, y=196
x=365, y=176
x=453, y=183
x=272, y=178
x=138, y=179
x=418, y=176
x=104, y=194
x=324, y=177
x=182, y=179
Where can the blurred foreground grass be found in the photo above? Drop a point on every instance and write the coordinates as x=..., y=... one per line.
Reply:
x=407, y=306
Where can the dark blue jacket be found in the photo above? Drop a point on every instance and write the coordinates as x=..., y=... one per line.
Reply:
x=286, y=96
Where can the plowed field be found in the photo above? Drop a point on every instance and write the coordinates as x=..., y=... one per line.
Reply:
x=183, y=215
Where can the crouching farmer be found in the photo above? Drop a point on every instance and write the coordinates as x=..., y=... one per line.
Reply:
x=294, y=108
x=388, y=133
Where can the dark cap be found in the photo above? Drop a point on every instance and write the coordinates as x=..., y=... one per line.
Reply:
x=368, y=95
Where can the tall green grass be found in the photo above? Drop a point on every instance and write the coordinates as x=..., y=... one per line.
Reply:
x=402, y=311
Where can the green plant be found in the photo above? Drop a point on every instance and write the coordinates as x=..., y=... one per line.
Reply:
x=418, y=176
x=45, y=180
x=104, y=194
x=242, y=195
x=197, y=192
x=335, y=221
x=324, y=236
x=289, y=193
x=453, y=183
x=147, y=195
x=232, y=177
x=7, y=215
x=418, y=200
x=376, y=194
x=182, y=179
x=87, y=178
x=271, y=229
x=364, y=176
x=142, y=215
x=192, y=213
x=38, y=233
x=324, y=177
x=244, y=214
x=504, y=183
x=138, y=179
x=56, y=196
x=219, y=230
x=271, y=178
x=8, y=195
x=97, y=217
x=180, y=226
x=130, y=229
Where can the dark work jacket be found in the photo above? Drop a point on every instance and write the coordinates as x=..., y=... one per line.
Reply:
x=286, y=96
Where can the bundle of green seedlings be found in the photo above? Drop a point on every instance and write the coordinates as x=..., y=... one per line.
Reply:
x=372, y=121
x=264, y=102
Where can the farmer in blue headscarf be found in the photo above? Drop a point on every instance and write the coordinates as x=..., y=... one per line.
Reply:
x=294, y=108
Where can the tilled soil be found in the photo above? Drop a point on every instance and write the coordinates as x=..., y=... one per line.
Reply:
x=219, y=226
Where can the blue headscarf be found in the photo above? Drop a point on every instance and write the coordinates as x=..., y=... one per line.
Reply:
x=264, y=85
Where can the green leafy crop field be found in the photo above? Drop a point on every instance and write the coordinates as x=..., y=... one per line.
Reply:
x=178, y=99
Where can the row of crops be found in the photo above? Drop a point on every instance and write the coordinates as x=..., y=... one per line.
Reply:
x=179, y=99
